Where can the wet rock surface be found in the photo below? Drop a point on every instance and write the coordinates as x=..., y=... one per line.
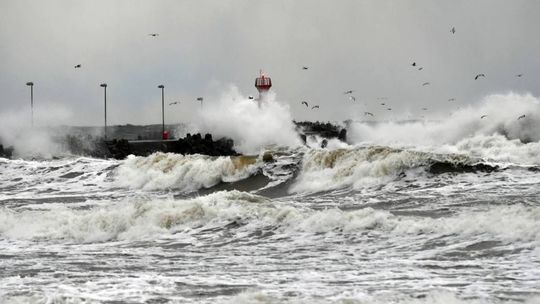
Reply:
x=448, y=167
x=191, y=144
x=322, y=129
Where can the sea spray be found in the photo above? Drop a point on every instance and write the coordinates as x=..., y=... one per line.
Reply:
x=252, y=128
x=502, y=117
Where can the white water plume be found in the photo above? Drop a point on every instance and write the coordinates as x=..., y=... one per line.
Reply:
x=16, y=130
x=252, y=128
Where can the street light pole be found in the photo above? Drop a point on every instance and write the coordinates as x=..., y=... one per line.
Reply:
x=104, y=86
x=162, y=87
x=31, y=85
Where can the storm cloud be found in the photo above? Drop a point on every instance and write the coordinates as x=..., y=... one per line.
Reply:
x=206, y=47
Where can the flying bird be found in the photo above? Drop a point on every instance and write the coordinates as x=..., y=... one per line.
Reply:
x=425, y=83
x=413, y=64
x=153, y=34
x=200, y=99
x=453, y=30
x=314, y=107
x=173, y=103
x=420, y=68
x=452, y=99
x=382, y=104
x=348, y=92
x=368, y=113
x=389, y=109
x=305, y=68
x=250, y=97
x=77, y=66
x=483, y=116
x=519, y=75
x=522, y=116
x=478, y=76
x=305, y=103
x=425, y=109
x=352, y=98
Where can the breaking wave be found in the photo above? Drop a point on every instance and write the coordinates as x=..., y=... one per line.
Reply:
x=183, y=172
x=143, y=219
x=363, y=167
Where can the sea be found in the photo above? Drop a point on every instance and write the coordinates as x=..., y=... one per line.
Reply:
x=438, y=211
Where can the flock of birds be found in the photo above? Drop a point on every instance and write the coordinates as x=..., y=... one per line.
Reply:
x=419, y=68
x=349, y=93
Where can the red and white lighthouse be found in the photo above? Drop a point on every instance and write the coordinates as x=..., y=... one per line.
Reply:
x=263, y=84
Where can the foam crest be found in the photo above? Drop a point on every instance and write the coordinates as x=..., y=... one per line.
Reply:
x=184, y=172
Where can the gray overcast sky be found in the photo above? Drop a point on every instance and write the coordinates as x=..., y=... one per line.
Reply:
x=206, y=46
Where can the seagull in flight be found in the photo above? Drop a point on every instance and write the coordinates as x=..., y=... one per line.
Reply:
x=382, y=104
x=420, y=68
x=348, y=92
x=425, y=83
x=478, y=76
x=352, y=98
x=77, y=66
x=173, y=103
x=250, y=97
x=452, y=99
x=305, y=68
x=519, y=75
x=368, y=113
x=453, y=30
x=389, y=109
x=413, y=64
x=522, y=116
x=483, y=116
x=315, y=107
x=424, y=109
x=305, y=103
x=153, y=34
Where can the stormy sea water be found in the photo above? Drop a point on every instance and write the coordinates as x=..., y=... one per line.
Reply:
x=441, y=211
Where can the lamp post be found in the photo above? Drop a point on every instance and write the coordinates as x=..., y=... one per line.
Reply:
x=162, y=87
x=104, y=86
x=31, y=85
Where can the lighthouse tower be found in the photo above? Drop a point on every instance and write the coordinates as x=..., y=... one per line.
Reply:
x=263, y=84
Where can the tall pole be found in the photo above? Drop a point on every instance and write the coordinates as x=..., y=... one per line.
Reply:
x=162, y=87
x=31, y=85
x=104, y=86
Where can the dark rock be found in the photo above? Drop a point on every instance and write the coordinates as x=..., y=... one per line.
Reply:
x=325, y=130
x=191, y=144
x=448, y=167
x=267, y=157
x=324, y=143
x=6, y=152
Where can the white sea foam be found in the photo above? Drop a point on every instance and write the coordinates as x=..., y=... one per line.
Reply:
x=184, y=172
x=432, y=297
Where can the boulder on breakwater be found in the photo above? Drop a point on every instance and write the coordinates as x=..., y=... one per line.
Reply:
x=191, y=144
x=325, y=130
x=440, y=167
x=6, y=152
